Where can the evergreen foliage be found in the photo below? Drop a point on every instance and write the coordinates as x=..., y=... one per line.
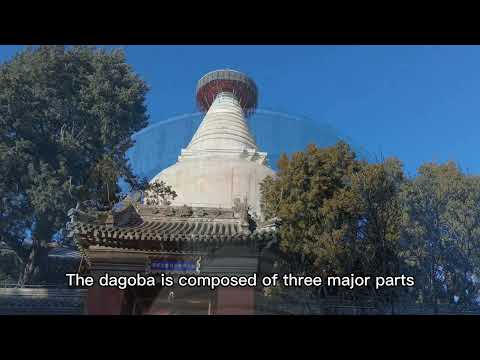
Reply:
x=341, y=216
x=66, y=120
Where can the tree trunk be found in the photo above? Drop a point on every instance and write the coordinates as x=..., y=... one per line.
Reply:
x=36, y=266
x=35, y=270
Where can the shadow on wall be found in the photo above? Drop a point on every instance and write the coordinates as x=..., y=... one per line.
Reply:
x=158, y=146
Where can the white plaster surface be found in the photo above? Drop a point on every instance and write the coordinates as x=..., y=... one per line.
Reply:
x=221, y=162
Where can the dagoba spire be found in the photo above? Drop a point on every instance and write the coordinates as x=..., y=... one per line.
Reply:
x=228, y=97
x=221, y=165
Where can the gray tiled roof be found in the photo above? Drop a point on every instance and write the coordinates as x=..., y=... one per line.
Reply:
x=163, y=228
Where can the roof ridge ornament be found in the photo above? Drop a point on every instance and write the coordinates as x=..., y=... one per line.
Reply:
x=185, y=211
x=240, y=209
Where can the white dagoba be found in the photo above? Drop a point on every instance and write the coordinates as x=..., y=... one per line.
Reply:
x=222, y=162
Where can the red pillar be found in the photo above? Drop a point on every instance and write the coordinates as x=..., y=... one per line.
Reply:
x=105, y=300
x=235, y=301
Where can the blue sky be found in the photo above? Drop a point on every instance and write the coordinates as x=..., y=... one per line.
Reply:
x=419, y=103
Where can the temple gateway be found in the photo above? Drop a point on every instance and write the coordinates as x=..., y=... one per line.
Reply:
x=214, y=227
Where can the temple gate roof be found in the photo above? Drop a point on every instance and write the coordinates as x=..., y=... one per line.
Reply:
x=169, y=228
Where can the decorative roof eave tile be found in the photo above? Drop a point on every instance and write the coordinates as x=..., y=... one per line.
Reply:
x=166, y=228
x=161, y=242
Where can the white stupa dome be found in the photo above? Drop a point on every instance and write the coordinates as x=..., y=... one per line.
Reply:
x=221, y=162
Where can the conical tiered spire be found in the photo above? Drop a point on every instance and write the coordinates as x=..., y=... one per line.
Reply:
x=221, y=164
x=228, y=97
x=224, y=130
